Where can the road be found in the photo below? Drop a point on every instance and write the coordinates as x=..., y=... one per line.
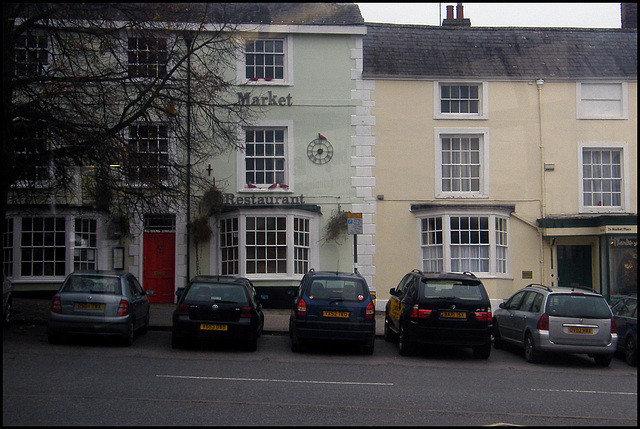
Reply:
x=99, y=382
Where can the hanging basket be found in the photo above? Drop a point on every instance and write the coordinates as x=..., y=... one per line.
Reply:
x=336, y=229
x=200, y=230
x=211, y=202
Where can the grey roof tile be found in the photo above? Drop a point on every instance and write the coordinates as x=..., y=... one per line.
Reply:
x=413, y=51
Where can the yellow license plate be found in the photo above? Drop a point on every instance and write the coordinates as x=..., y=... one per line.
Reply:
x=212, y=327
x=88, y=306
x=453, y=314
x=342, y=314
x=575, y=330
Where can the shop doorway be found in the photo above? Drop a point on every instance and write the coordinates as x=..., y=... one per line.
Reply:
x=574, y=266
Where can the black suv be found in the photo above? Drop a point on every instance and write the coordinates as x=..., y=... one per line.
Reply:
x=217, y=308
x=333, y=306
x=439, y=308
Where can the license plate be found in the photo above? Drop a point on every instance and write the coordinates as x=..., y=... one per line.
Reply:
x=212, y=327
x=88, y=306
x=453, y=314
x=342, y=314
x=575, y=330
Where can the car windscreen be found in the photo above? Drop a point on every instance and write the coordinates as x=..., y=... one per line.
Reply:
x=451, y=289
x=337, y=289
x=210, y=292
x=578, y=305
x=93, y=284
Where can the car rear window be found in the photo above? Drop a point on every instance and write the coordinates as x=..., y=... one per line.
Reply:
x=93, y=284
x=451, y=289
x=578, y=305
x=343, y=289
x=216, y=292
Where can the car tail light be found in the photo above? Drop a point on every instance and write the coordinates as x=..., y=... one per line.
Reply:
x=614, y=327
x=370, y=312
x=417, y=313
x=483, y=316
x=123, y=308
x=302, y=308
x=56, y=305
x=183, y=310
x=245, y=312
x=543, y=323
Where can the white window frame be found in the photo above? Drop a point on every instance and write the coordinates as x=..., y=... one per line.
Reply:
x=287, y=126
x=483, y=94
x=290, y=215
x=446, y=214
x=625, y=206
x=287, y=79
x=159, y=74
x=42, y=67
x=581, y=112
x=171, y=149
x=483, y=134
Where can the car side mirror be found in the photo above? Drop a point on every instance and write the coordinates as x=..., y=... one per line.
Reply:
x=503, y=305
x=179, y=292
x=148, y=292
x=393, y=292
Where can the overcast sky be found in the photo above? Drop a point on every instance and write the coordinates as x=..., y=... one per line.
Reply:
x=589, y=15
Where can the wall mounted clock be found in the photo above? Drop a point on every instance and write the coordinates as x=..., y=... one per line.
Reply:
x=320, y=150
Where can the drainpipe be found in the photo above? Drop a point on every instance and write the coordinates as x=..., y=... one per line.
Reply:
x=189, y=41
x=543, y=184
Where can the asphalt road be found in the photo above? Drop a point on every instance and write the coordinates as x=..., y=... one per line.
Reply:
x=99, y=382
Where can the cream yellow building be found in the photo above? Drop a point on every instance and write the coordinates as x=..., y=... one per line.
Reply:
x=507, y=152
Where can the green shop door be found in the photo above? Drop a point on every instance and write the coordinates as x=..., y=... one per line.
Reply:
x=574, y=266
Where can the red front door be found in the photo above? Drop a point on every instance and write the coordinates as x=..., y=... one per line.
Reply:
x=159, y=254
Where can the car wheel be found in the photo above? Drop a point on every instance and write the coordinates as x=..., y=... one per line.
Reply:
x=530, y=352
x=389, y=335
x=405, y=347
x=128, y=338
x=482, y=352
x=252, y=345
x=497, y=338
x=261, y=327
x=6, y=317
x=145, y=328
x=603, y=360
x=296, y=344
x=176, y=342
x=631, y=352
x=367, y=348
x=53, y=338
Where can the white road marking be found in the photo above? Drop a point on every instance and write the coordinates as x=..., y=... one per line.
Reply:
x=585, y=391
x=275, y=380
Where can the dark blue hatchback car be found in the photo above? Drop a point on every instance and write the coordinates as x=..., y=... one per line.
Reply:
x=335, y=307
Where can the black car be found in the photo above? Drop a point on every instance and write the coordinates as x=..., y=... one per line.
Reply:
x=333, y=306
x=625, y=313
x=214, y=308
x=439, y=308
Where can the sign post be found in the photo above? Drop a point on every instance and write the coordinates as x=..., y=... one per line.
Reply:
x=354, y=227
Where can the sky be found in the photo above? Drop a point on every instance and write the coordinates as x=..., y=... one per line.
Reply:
x=581, y=15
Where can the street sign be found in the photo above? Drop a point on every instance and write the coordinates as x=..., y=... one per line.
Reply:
x=354, y=223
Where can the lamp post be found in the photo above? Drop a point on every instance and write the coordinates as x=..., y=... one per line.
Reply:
x=188, y=38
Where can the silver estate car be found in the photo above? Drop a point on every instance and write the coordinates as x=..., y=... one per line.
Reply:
x=99, y=302
x=567, y=320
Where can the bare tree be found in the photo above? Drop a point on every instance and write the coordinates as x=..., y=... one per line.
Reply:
x=94, y=92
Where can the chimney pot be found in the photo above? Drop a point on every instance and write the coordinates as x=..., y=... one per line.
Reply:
x=459, y=11
x=449, y=12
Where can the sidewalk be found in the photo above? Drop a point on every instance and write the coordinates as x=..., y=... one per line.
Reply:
x=35, y=311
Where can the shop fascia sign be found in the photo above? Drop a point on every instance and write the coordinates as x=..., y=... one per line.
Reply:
x=259, y=200
x=619, y=229
x=268, y=99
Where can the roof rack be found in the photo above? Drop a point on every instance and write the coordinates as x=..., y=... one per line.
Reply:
x=583, y=288
x=540, y=285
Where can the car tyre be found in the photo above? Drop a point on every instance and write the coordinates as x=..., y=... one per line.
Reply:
x=389, y=335
x=603, y=360
x=530, y=352
x=54, y=338
x=145, y=327
x=482, y=352
x=631, y=352
x=368, y=347
x=405, y=347
x=127, y=340
x=252, y=345
x=6, y=317
x=176, y=342
x=296, y=344
x=497, y=338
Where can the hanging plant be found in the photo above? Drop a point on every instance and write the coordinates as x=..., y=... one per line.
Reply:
x=200, y=229
x=211, y=202
x=118, y=226
x=336, y=227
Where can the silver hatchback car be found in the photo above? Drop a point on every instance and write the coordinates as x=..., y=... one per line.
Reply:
x=99, y=302
x=567, y=320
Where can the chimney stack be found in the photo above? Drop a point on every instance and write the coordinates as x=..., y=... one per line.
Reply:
x=459, y=21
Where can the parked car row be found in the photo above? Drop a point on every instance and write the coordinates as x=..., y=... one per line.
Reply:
x=425, y=308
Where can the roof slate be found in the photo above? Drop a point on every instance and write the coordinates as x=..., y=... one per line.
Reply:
x=414, y=51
